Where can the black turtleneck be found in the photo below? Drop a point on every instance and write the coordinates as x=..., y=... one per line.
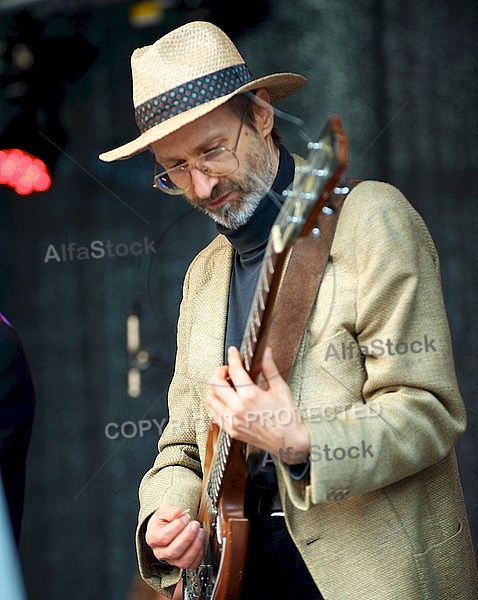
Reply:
x=250, y=242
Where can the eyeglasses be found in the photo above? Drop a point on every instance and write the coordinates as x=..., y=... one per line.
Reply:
x=218, y=162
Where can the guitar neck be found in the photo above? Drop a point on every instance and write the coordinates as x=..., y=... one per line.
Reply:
x=254, y=340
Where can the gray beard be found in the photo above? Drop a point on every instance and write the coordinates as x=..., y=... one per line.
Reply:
x=234, y=217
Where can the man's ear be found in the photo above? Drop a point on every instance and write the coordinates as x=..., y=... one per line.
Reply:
x=263, y=111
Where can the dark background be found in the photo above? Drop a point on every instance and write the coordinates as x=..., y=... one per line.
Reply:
x=403, y=78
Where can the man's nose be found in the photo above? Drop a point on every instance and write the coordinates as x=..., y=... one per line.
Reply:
x=202, y=183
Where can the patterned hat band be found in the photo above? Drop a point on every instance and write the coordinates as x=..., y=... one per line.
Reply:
x=191, y=94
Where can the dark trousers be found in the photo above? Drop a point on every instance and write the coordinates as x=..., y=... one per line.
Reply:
x=275, y=570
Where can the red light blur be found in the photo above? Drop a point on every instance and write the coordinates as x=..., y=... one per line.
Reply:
x=23, y=172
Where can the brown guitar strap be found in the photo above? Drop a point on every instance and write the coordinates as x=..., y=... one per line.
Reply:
x=300, y=285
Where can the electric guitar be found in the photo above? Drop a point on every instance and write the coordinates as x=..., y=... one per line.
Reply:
x=221, y=510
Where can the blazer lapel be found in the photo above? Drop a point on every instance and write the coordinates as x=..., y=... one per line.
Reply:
x=210, y=311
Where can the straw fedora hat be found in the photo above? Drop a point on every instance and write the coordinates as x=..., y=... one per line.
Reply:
x=186, y=74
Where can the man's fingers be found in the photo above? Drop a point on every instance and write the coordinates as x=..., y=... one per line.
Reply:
x=271, y=372
x=239, y=376
x=191, y=554
x=169, y=512
x=165, y=525
x=186, y=550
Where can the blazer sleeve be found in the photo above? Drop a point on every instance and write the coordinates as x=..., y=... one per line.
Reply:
x=375, y=380
x=175, y=476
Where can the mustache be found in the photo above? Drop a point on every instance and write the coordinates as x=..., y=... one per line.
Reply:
x=217, y=192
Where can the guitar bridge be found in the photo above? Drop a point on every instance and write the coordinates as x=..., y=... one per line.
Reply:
x=198, y=584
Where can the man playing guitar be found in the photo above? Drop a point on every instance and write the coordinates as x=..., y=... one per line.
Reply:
x=349, y=488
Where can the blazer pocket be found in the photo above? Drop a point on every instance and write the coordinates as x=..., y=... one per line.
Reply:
x=446, y=569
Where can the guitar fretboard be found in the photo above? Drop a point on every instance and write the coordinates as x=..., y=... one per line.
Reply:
x=218, y=467
x=255, y=321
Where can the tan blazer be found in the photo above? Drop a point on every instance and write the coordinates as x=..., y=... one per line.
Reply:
x=382, y=517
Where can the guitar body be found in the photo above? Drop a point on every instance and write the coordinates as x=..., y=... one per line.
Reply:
x=221, y=510
x=226, y=530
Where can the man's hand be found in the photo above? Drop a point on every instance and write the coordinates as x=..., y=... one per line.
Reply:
x=267, y=419
x=174, y=538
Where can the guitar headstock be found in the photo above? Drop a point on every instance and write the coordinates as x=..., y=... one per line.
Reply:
x=314, y=182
